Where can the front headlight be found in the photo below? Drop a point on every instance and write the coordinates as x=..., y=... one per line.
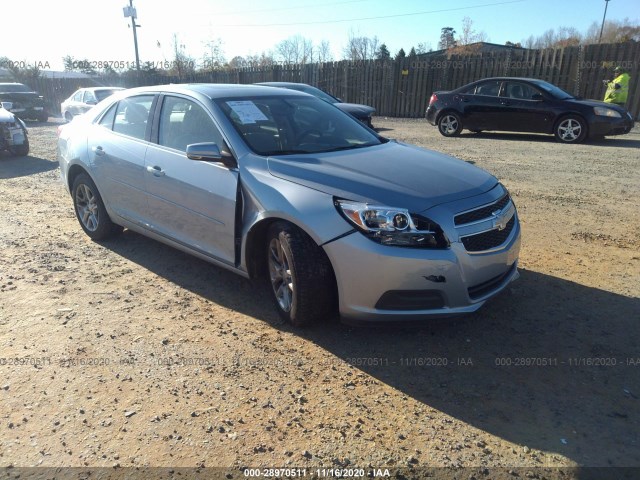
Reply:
x=392, y=226
x=606, y=112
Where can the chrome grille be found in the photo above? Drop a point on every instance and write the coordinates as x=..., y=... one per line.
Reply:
x=482, y=212
x=488, y=240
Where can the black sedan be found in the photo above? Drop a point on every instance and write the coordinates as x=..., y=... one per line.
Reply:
x=525, y=105
x=359, y=111
x=22, y=101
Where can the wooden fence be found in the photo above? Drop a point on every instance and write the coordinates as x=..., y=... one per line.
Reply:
x=402, y=88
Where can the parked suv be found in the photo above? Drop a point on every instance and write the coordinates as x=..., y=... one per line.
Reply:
x=23, y=101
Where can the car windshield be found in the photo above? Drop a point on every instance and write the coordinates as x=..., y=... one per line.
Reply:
x=552, y=90
x=102, y=94
x=284, y=125
x=14, y=87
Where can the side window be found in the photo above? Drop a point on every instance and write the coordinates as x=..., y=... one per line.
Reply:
x=77, y=97
x=89, y=96
x=491, y=88
x=183, y=122
x=107, y=119
x=520, y=91
x=132, y=115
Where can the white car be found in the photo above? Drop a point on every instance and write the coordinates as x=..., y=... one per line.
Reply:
x=84, y=100
x=13, y=133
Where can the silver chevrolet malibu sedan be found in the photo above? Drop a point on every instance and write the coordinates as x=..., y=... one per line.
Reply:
x=277, y=185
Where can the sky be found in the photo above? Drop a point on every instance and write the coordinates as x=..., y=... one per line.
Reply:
x=97, y=30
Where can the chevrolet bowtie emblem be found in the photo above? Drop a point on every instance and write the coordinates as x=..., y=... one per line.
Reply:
x=501, y=219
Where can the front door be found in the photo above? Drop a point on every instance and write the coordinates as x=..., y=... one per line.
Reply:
x=190, y=202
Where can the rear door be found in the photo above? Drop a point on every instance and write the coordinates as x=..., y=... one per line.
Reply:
x=190, y=202
x=117, y=145
x=482, y=107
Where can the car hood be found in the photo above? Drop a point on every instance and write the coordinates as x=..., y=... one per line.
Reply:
x=595, y=103
x=392, y=174
x=355, y=108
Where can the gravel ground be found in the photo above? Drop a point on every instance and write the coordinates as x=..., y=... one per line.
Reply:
x=129, y=353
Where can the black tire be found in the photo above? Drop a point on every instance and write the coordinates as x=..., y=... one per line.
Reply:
x=90, y=211
x=19, y=150
x=449, y=124
x=68, y=116
x=43, y=118
x=570, y=129
x=299, y=274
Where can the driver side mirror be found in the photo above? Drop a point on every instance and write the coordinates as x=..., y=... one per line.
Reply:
x=210, y=152
x=537, y=97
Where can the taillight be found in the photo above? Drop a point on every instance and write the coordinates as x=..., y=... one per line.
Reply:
x=433, y=99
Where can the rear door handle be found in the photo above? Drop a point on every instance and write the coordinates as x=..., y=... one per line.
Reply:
x=505, y=102
x=98, y=150
x=156, y=170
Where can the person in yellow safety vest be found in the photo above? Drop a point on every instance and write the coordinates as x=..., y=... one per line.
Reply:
x=618, y=88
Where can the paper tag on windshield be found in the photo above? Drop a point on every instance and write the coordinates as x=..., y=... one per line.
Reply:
x=247, y=111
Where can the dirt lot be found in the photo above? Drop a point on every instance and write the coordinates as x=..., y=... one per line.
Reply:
x=129, y=353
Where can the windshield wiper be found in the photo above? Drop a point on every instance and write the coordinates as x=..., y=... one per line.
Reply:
x=350, y=147
x=282, y=152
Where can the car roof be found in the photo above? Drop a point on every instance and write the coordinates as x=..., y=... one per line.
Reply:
x=216, y=90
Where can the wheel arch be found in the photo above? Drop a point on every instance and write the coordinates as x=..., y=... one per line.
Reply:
x=256, y=237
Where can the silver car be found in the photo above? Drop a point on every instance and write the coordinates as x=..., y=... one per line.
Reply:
x=84, y=99
x=278, y=185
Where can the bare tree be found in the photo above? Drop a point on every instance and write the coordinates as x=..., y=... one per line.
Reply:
x=469, y=35
x=265, y=59
x=423, y=47
x=295, y=50
x=614, y=31
x=323, y=52
x=361, y=48
x=182, y=64
x=213, y=57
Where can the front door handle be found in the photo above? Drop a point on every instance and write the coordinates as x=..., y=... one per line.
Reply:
x=156, y=170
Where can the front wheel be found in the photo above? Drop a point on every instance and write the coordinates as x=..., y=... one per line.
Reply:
x=571, y=129
x=300, y=276
x=90, y=210
x=450, y=124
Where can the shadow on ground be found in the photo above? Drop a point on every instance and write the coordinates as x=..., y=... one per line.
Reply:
x=543, y=365
x=14, y=167
x=620, y=141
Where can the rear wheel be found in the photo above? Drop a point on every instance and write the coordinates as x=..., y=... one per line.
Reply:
x=570, y=129
x=300, y=275
x=450, y=124
x=67, y=116
x=90, y=210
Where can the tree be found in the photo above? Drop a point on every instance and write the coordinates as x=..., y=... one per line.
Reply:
x=182, y=64
x=361, y=48
x=323, y=52
x=401, y=54
x=295, y=50
x=213, y=57
x=412, y=53
x=22, y=72
x=423, y=48
x=447, y=38
x=383, y=53
x=72, y=64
